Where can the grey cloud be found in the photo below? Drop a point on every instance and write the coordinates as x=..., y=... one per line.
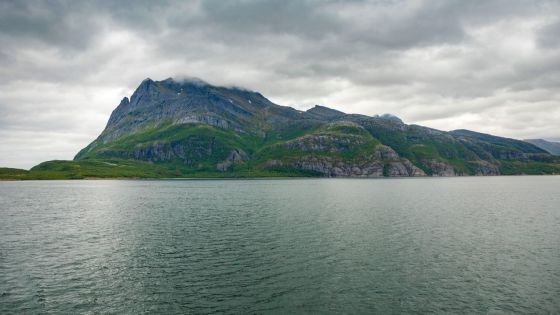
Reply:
x=48, y=23
x=270, y=17
x=549, y=35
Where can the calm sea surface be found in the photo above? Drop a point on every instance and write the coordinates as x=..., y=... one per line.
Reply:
x=435, y=245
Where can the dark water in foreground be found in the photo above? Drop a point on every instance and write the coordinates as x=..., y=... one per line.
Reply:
x=452, y=245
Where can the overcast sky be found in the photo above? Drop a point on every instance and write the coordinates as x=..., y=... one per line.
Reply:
x=491, y=66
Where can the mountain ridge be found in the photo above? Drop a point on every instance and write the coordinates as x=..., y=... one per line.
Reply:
x=549, y=146
x=190, y=128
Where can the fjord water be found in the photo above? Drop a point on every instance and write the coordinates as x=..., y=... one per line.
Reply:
x=443, y=245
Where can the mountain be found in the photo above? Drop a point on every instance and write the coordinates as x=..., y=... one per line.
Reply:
x=549, y=146
x=190, y=128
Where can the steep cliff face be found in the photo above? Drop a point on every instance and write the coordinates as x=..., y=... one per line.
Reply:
x=193, y=126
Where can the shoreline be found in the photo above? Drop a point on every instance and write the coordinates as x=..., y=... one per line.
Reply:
x=263, y=178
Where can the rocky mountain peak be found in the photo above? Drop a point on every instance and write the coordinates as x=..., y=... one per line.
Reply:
x=125, y=101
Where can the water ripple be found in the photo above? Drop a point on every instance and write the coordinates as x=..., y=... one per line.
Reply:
x=458, y=245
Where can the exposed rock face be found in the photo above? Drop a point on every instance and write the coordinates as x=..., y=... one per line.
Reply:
x=412, y=169
x=384, y=161
x=440, y=168
x=199, y=127
x=332, y=167
x=397, y=166
x=324, y=143
x=397, y=169
x=187, y=151
x=236, y=156
x=207, y=120
x=370, y=168
x=484, y=168
x=384, y=152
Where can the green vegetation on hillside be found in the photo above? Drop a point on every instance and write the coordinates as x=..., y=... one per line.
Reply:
x=115, y=168
x=7, y=173
x=528, y=168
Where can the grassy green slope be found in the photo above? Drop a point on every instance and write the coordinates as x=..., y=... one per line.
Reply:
x=117, y=159
x=111, y=168
x=528, y=168
x=116, y=168
x=200, y=146
x=102, y=168
x=419, y=144
x=345, y=142
x=7, y=173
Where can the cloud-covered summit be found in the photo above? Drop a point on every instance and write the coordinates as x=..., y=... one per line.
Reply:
x=491, y=66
